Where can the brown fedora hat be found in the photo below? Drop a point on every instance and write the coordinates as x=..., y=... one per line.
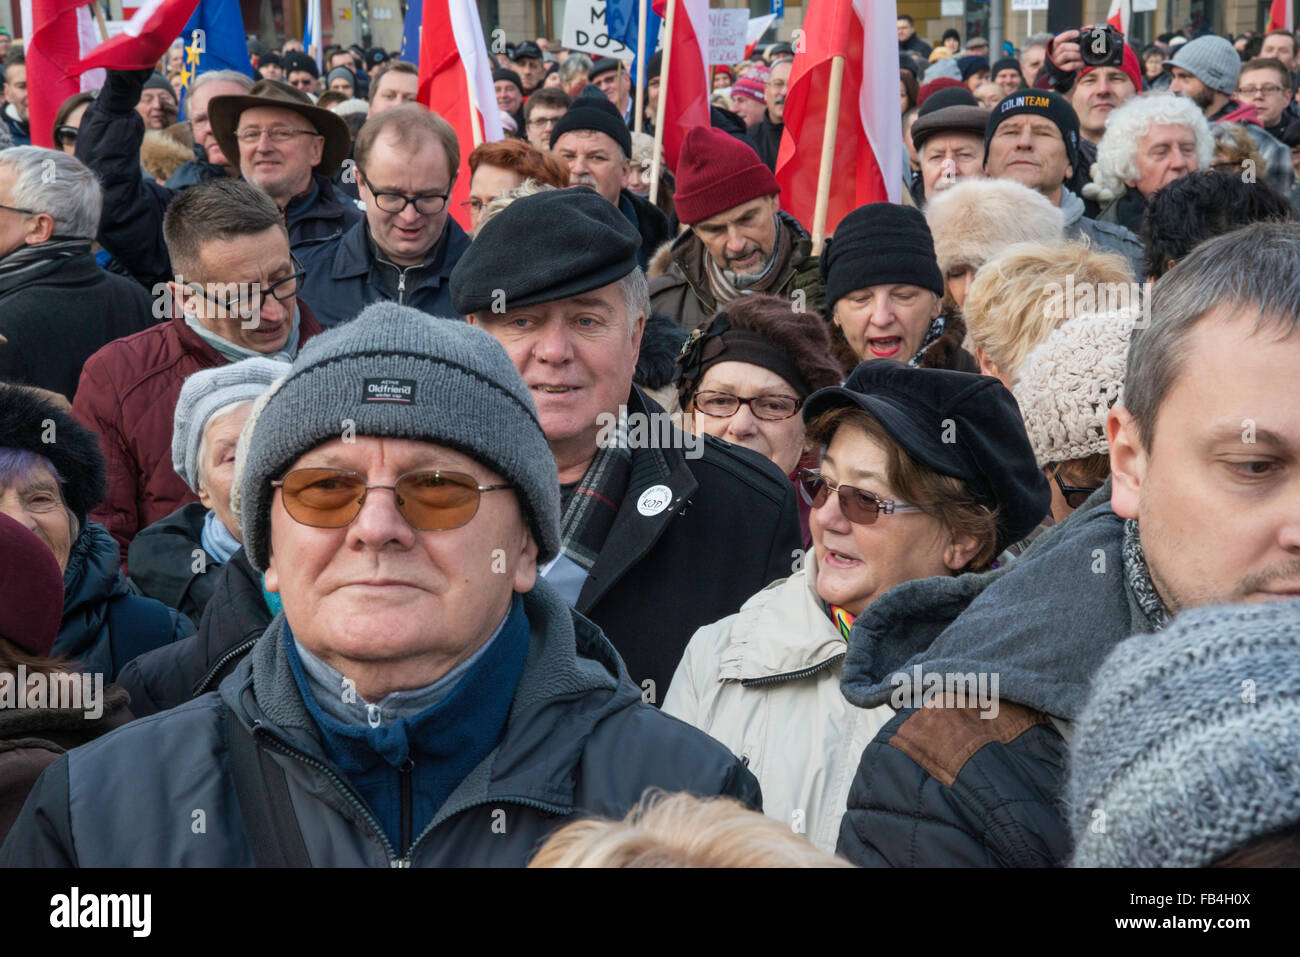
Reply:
x=224, y=112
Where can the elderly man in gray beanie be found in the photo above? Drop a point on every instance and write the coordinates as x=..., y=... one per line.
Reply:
x=175, y=558
x=423, y=698
x=1206, y=70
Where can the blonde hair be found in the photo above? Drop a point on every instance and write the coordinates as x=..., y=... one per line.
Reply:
x=1020, y=295
x=679, y=830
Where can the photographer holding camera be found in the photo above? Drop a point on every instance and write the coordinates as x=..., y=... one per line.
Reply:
x=1097, y=72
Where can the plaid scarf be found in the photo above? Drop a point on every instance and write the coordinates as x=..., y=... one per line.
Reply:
x=931, y=334
x=594, y=504
x=724, y=290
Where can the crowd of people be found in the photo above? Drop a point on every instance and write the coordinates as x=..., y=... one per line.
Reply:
x=969, y=538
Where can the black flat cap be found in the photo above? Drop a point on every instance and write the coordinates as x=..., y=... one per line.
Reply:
x=507, y=266
x=528, y=50
x=605, y=64
x=956, y=423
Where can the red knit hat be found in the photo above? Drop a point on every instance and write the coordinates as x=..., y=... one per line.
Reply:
x=1130, y=66
x=717, y=172
x=31, y=614
x=752, y=84
x=934, y=86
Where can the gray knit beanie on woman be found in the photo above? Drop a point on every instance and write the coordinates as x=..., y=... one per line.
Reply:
x=395, y=371
x=1190, y=745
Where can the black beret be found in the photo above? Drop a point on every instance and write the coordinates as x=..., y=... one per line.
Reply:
x=956, y=423
x=591, y=110
x=606, y=64
x=506, y=266
x=505, y=73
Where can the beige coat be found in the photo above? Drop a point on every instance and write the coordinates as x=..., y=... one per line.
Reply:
x=766, y=683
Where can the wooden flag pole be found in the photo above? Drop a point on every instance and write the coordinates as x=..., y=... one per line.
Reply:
x=638, y=120
x=828, y=155
x=473, y=109
x=618, y=87
x=663, y=101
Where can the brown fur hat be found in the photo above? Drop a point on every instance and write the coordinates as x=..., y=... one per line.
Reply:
x=974, y=220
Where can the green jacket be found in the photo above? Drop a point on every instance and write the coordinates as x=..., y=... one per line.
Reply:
x=679, y=286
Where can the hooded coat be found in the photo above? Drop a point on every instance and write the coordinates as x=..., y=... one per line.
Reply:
x=944, y=785
x=578, y=740
x=105, y=624
x=168, y=562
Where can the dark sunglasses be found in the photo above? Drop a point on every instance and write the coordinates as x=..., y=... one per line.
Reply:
x=66, y=135
x=1074, y=495
x=431, y=501
x=858, y=505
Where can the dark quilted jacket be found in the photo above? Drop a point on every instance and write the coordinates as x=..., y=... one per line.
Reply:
x=947, y=786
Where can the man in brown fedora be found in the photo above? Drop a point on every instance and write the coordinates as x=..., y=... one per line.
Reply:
x=299, y=148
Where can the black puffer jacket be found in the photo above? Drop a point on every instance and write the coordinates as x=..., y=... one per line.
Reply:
x=965, y=786
x=578, y=740
x=235, y=617
x=104, y=624
x=167, y=561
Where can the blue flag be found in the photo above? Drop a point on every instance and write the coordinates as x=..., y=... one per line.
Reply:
x=621, y=20
x=411, y=32
x=219, y=43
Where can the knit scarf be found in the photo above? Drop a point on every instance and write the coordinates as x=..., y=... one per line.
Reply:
x=931, y=334
x=1139, y=578
x=727, y=285
x=216, y=539
x=28, y=261
x=232, y=352
x=594, y=504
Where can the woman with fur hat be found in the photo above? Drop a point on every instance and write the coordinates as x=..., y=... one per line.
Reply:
x=891, y=503
x=977, y=218
x=884, y=292
x=51, y=476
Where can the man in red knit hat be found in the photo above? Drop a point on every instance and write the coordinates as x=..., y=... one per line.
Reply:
x=739, y=240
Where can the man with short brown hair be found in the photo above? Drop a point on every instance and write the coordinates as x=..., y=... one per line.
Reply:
x=394, y=83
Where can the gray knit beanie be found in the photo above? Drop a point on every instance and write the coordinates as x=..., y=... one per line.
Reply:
x=208, y=391
x=394, y=371
x=1212, y=60
x=1188, y=747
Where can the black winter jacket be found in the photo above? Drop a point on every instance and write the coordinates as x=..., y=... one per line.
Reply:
x=650, y=223
x=235, y=617
x=164, y=564
x=765, y=137
x=731, y=528
x=131, y=226
x=104, y=624
x=578, y=740
x=347, y=273
x=58, y=316
x=957, y=786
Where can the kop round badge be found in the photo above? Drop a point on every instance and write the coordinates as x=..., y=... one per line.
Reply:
x=654, y=500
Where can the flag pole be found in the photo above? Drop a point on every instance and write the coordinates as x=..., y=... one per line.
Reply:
x=637, y=121
x=618, y=86
x=660, y=109
x=828, y=155
x=473, y=109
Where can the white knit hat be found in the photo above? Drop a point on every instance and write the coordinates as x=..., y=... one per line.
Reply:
x=1070, y=381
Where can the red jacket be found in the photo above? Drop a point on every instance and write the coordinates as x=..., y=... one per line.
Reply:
x=127, y=395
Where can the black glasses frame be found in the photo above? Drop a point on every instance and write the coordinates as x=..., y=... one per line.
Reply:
x=274, y=290
x=798, y=404
x=406, y=200
x=1074, y=495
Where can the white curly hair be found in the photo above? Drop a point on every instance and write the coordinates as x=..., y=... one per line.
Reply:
x=1126, y=126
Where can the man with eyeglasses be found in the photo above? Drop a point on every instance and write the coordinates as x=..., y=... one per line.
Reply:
x=302, y=146
x=233, y=296
x=425, y=698
x=655, y=542
x=542, y=111
x=1266, y=85
x=765, y=135
x=404, y=248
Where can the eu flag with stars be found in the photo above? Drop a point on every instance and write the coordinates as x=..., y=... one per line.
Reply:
x=621, y=20
x=214, y=40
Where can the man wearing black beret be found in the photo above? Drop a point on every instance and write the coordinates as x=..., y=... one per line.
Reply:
x=611, y=77
x=526, y=60
x=595, y=143
x=662, y=532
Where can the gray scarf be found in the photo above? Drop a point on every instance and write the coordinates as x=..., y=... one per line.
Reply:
x=26, y=261
x=233, y=352
x=1139, y=578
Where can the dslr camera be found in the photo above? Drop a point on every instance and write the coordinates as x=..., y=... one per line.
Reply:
x=1101, y=45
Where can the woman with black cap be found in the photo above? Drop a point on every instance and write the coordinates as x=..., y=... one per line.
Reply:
x=884, y=292
x=924, y=473
x=746, y=373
